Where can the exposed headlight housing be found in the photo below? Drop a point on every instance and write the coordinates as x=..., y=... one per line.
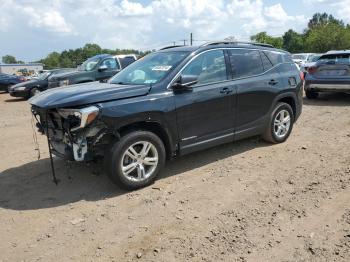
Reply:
x=64, y=82
x=80, y=117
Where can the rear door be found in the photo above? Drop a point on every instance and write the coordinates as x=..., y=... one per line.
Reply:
x=256, y=87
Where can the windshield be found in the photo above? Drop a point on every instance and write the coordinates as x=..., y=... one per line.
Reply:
x=300, y=57
x=150, y=69
x=313, y=58
x=44, y=75
x=335, y=59
x=89, y=64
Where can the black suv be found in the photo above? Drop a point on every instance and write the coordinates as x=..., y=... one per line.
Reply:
x=170, y=103
x=96, y=68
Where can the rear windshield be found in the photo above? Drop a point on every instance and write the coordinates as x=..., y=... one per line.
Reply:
x=313, y=58
x=335, y=59
x=301, y=57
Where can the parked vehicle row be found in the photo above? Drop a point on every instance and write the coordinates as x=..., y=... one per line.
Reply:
x=7, y=80
x=172, y=102
x=96, y=68
x=36, y=85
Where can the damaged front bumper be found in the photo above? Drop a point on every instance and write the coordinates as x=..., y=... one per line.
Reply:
x=74, y=134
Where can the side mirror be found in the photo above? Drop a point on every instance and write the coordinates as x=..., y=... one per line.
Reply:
x=102, y=68
x=185, y=82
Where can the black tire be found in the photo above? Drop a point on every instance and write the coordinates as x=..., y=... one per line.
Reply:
x=34, y=91
x=115, y=155
x=269, y=135
x=311, y=94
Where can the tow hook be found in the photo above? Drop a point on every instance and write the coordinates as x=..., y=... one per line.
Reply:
x=80, y=149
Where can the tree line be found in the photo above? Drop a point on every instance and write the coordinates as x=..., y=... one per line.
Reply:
x=323, y=33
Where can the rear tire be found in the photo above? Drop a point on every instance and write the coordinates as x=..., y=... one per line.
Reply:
x=136, y=160
x=311, y=94
x=280, y=124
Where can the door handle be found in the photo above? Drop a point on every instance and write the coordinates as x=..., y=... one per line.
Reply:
x=273, y=82
x=226, y=90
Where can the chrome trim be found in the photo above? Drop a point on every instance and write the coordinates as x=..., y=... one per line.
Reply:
x=208, y=140
x=328, y=86
x=188, y=138
x=224, y=48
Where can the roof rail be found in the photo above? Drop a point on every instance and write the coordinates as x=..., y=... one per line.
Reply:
x=236, y=43
x=171, y=46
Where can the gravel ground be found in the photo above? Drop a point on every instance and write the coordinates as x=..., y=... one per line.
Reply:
x=245, y=201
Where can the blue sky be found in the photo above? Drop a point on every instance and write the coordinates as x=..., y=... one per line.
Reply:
x=30, y=29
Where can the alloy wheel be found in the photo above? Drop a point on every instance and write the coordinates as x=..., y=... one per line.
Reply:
x=139, y=161
x=282, y=123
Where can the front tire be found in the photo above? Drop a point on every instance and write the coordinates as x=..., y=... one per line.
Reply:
x=136, y=160
x=280, y=124
x=34, y=91
x=311, y=94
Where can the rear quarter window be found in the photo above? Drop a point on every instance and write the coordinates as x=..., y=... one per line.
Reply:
x=275, y=57
x=266, y=61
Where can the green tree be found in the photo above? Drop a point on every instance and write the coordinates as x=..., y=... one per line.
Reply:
x=263, y=37
x=52, y=61
x=74, y=57
x=91, y=50
x=293, y=42
x=9, y=59
x=322, y=19
x=328, y=36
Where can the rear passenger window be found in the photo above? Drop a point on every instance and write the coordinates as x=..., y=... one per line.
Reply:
x=208, y=67
x=266, y=61
x=245, y=62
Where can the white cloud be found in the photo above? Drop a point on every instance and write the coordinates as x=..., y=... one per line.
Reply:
x=142, y=24
x=50, y=20
x=339, y=8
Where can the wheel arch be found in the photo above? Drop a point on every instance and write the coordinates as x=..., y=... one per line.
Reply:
x=154, y=127
x=288, y=98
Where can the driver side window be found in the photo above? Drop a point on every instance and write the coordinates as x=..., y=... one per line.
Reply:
x=208, y=67
x=111, y=63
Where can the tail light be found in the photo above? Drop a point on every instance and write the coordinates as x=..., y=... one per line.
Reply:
x=312, y=70
x=302, y=76
x=22, y=79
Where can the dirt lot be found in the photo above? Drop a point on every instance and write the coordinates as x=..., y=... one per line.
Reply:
x=246, y=201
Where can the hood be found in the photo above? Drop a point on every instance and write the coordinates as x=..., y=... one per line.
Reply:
x=65, y=75
x=34, y=82
x=87, y=93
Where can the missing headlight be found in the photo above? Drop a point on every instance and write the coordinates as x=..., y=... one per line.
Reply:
x=79, y=118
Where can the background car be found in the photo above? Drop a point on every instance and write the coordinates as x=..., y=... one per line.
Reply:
x=301, y=58
x=96, y=68
x=331, y=73
x=35, y=85
x=8, y=80
x=311, y=61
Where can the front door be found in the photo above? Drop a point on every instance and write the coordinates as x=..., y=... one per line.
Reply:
x=205, y=113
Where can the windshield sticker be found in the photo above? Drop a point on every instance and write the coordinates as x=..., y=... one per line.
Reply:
x=161, y=68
